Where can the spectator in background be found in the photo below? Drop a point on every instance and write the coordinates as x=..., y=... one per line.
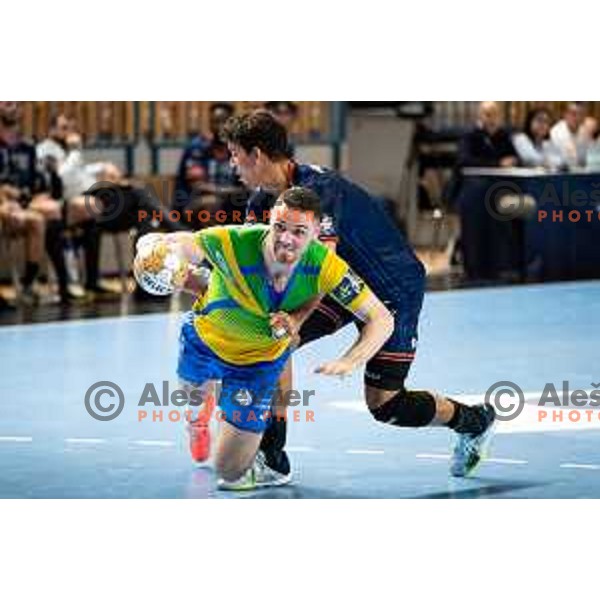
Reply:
x=286, y=112
x=60, y=157
x=533, y=145
x=61, y=153
x=205, y=179
x=570, y=136
x=26, y=187
x=491, y=248
x=19, y=222
x=488, y=144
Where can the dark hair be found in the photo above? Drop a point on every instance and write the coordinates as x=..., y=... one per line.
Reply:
x=301, y=198
x=531, y=116
x=258, y=129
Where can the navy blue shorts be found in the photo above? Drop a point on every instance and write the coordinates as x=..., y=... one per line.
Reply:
x=247, y=391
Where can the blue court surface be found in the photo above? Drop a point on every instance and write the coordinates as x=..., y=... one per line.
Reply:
x=50, y=447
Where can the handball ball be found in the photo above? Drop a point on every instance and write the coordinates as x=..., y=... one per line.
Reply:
x=157, y=266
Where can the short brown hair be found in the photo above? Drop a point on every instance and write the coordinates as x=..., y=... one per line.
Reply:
x=303, y=199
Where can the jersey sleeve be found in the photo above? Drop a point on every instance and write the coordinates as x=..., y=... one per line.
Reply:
x=339, y=281
x=210, y=241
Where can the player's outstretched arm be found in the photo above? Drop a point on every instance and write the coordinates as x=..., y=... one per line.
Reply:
x=164, y=262
x=379, y=326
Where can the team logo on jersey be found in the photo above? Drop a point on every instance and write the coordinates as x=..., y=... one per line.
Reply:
x=349, y=288
x=327, y=227
x=243, y=397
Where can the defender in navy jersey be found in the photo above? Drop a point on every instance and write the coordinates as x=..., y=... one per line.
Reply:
x=369, y=241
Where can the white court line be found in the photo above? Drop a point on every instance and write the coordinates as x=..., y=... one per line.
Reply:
x=15, y=438
x=506, y=461
x=159, y=443
x=368, y=452
x=501, y=461
x=578, y=466
x=300, y=449
x=434, y=456
x=85, y=441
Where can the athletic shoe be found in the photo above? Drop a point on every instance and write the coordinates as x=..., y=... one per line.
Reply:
x=29, y=297
x=199, y=432
x=199, y=441
x=259, y=475
x=469, y=448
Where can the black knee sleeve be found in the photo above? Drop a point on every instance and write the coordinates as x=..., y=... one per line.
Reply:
x=407, y=409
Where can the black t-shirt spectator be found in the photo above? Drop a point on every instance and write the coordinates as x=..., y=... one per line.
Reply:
x=480, y=149
x=18, y=167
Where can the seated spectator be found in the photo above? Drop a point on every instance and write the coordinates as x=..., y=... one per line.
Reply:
x=488, y=144
x=205, y=178
x=492, y=249
x=19, y=222
x=61, y=154
x=27, y=188
x=286, y=112
x=533, y=145
x=60, y=157
x=570, y=137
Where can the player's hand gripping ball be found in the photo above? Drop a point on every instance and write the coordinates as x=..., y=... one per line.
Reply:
x=158, y=267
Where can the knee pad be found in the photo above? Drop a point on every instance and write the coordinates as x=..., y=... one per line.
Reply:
x=407, y=409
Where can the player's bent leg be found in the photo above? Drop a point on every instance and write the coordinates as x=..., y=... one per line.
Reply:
x=273, y=441
x=197, y=368
x=197, y=415
x=403, y=408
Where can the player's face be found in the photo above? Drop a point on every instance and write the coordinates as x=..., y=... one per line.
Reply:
x=292, y=231
x=250, y=166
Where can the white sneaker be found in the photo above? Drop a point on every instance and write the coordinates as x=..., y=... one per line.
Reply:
x=259, y=475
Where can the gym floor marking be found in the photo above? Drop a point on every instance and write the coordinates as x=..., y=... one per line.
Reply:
x=157, y=443
x=533, y=335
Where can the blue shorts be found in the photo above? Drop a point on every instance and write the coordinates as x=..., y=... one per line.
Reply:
x=246, y=392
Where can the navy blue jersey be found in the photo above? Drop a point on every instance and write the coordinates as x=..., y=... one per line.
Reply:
x=18, y=167
x=367, y=238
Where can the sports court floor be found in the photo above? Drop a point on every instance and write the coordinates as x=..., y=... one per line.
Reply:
x=50, y=447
